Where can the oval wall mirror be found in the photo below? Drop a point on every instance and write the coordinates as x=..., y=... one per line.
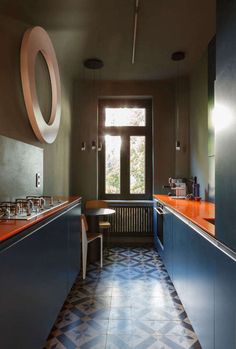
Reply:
x=36, y=40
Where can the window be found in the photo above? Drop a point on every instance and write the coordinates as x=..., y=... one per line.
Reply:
x=125, y=162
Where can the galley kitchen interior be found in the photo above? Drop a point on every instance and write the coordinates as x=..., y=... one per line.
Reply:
x=117, y=181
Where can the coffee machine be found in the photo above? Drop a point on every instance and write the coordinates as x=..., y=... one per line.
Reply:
x=178, y=188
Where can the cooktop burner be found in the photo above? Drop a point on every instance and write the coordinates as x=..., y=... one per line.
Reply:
x=29, y=207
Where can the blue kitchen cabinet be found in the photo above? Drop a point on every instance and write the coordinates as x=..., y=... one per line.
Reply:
x=199, y=294
x=225, y=305
x=155, y=225
x=36, y=274
x=168, y=241
x=205, y=279
x=193, y=278
x=181, y=240
x=74, y=250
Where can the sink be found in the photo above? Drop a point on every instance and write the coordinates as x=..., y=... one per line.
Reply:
x=210, y=220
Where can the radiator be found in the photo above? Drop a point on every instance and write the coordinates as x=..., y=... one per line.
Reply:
x=131, y=220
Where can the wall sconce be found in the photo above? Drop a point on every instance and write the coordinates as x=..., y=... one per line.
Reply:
x=99, y=146
x=93, y=147
x=177, y=145
x=83, y=146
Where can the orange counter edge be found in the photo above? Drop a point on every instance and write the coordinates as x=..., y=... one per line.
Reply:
x=9, y=228
x=195, y=211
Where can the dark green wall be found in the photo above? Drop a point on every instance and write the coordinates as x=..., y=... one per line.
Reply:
x=199, y=124
x=165, y=162
x=202, y=156
x=16, y=178
x=13, y=118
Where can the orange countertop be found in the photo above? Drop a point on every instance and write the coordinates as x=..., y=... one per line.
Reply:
x=195, y=211
x=11, y=227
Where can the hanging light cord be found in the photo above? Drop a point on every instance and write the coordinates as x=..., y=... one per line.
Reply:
x=135, y=30
x=177, y=102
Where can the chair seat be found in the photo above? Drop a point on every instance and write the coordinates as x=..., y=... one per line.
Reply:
x=104, y=225
x=93, y=236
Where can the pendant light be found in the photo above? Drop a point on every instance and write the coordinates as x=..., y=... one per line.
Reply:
x=177, y=56
x=93, y=64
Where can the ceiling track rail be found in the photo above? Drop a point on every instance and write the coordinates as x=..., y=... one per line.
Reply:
x=135, y=30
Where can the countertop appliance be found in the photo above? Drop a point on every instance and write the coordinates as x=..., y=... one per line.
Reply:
x=28, y=207
x=178, y=188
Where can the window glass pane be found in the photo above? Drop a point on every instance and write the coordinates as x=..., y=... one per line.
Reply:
x=112, y=164
x=137, y=164
x=125, y=116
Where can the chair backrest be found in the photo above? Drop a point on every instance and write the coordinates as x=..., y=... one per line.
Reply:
x=96, y=204
x=84, y=226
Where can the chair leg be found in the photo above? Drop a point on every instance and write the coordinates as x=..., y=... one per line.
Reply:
x=84, y=253
x=101, y=262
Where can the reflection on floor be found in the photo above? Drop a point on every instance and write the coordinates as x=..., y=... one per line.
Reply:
x=130, y=303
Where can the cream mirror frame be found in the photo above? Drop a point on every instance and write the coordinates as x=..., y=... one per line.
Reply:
x=36, y=40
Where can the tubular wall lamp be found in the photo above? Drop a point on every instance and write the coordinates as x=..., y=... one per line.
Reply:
x=93, y=146
x=99, y=146
x=177, y=57
x=177, y=145
x=83, y=146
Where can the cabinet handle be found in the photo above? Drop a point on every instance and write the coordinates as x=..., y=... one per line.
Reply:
x=160, y=211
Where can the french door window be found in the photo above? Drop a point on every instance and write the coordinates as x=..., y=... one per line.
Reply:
x=125, y=162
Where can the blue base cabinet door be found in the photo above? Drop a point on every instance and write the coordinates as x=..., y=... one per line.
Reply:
x=74, y=239
x=168, y=242
x=193, y=277
x=155, y=225
x=36, y=276
x=225, y=302
x=181, y=241
x=199, y=295
x=34, y=283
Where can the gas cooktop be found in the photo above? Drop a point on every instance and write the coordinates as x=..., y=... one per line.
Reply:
x=29, y=207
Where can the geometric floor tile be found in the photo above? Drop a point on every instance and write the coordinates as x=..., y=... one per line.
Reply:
x=130, y=303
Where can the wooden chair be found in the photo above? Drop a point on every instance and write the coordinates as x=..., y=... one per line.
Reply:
x=86, y=239
x=102, y=224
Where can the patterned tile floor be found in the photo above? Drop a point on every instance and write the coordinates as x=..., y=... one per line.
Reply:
x=130, y=303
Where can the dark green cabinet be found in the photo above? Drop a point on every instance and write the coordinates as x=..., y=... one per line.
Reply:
x=225, y=102
x=38, y=268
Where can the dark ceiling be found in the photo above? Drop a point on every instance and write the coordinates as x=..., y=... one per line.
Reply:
x=104, y=28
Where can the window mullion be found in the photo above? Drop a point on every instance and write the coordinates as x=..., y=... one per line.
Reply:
x=125, y=166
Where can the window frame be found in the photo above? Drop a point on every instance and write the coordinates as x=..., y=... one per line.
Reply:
x=125, y=132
